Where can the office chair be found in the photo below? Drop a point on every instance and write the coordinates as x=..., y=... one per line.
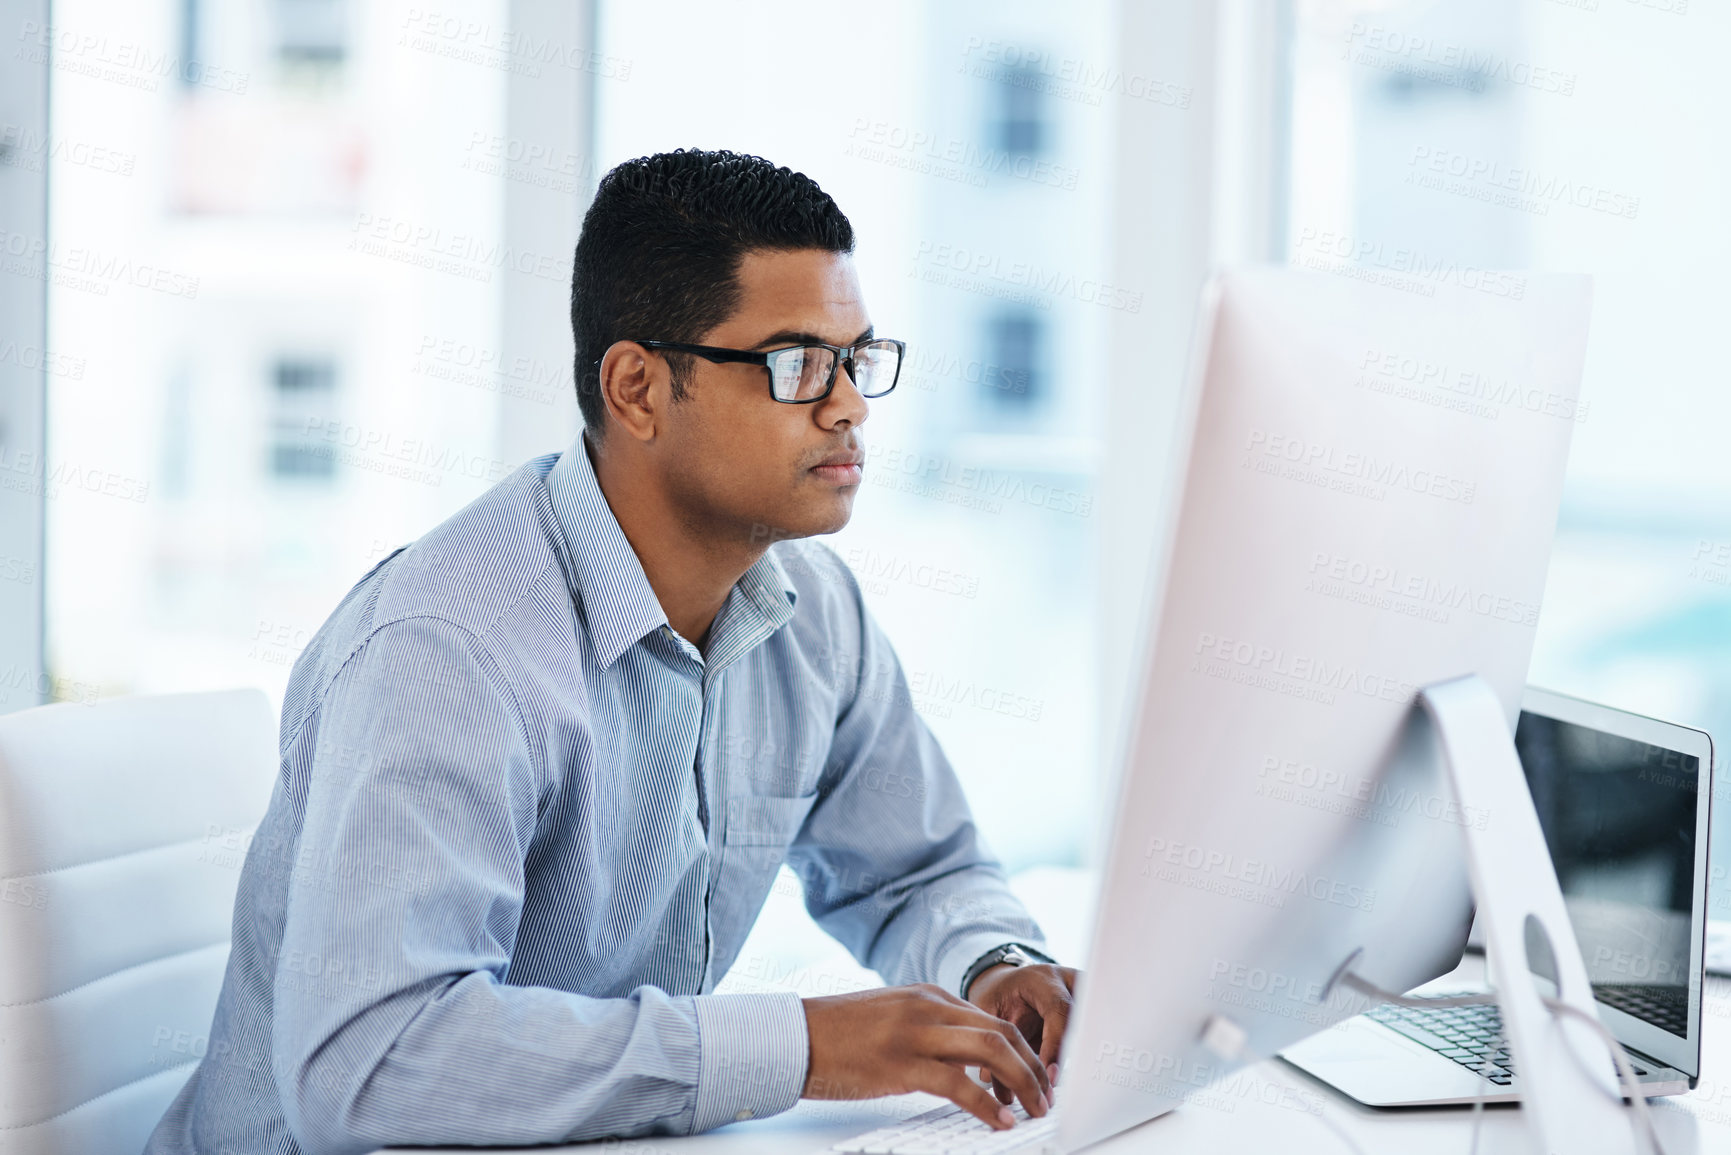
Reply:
x=122, y=828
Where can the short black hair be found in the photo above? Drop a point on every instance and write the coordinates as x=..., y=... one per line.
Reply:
x=658, y=257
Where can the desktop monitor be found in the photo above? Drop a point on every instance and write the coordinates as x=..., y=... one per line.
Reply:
x=1365, y=505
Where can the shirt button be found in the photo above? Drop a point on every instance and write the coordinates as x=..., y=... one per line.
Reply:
x=744, y=1114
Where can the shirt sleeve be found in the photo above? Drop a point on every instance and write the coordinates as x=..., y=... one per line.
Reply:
x=394, y=1020
x=892, y=864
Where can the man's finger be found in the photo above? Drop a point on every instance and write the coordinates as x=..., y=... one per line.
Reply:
x=972, y=1017
x=1019, y=1043
x=1020, y=1073
x=1054, y=1002
x=983, y=1075
x=990, y=1050
x=1052, y=1045
x=953, y=1084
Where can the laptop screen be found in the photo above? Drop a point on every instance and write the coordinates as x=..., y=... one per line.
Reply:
x=1619, y=819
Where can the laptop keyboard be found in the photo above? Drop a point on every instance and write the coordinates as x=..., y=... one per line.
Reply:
x=1472, y=1035
x=1666, y=1007
x=949, y=1130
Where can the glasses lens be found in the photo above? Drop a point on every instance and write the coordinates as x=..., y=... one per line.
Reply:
x=875, y=366
x=800, y=373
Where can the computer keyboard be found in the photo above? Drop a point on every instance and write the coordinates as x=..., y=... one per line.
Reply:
x=1472, y=1035
x=1666, y=1007
x=949, y=1130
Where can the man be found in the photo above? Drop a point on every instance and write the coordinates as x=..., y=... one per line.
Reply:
x=540, y=768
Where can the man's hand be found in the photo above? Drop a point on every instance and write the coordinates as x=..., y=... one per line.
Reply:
x=1037, y=1000
x=920, y=1038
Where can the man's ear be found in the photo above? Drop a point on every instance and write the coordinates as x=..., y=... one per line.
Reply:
x=634, y=385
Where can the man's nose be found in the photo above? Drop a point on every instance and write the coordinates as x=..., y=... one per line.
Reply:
x=844, y=404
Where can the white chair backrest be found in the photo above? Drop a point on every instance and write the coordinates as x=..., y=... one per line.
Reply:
x=120, y=824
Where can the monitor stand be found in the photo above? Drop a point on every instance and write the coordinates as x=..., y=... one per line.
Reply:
x=1569, y=1095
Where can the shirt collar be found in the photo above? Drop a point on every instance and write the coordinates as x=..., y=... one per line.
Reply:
x=619, y=605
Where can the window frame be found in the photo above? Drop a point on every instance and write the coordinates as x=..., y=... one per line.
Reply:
x=24, y=95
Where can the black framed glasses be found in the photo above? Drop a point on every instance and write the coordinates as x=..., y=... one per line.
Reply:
x=805, y=374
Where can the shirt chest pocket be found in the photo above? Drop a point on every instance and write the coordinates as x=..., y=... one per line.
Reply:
x=765, y=820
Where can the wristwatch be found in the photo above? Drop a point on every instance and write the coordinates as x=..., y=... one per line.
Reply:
x=1012, y=954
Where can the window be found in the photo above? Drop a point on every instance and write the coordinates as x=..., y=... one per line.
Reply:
x=301, y=401
x=311, y=30
x=175, y=467
x=288, y=332
x=1021, y=124
x=1571, y=142
x=1011, y=378
x=191, y=28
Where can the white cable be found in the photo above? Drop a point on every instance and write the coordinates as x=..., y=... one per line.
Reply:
x=1479, y=1095
x=1371, y=990
x=1625, y=1070
x=1352, y=981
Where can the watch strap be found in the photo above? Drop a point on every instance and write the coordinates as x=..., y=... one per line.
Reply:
x=997, y=955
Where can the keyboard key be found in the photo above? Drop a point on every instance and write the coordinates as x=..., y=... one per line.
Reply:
x=1419, y=1035
x=950, y=1130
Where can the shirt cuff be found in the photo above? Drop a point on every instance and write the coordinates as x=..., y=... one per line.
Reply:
x=969, y=949
x=752, y=1052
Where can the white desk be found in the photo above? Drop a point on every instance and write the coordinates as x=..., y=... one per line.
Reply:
x=1268, y=1108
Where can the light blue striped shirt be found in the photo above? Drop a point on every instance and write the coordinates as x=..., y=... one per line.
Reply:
x=522, y=828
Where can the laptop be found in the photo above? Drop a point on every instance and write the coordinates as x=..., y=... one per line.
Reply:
x=1624, y=803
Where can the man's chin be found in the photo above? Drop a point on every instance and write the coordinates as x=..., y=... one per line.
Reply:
x=814, y=520
x=841, y=511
